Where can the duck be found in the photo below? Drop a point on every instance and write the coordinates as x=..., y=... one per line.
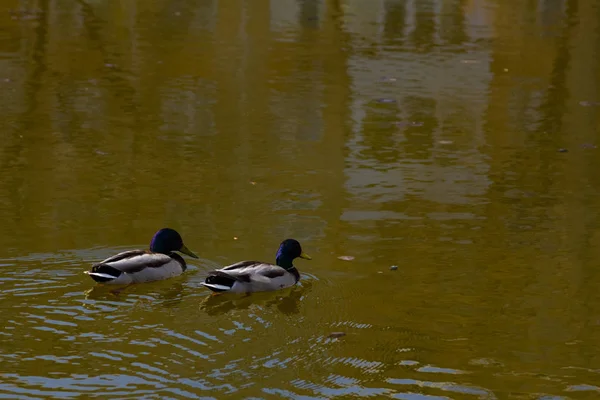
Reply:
x=138, y=266
x=258, y=276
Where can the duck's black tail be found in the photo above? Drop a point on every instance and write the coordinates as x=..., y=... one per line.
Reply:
x=219, y=282
x=103, y=273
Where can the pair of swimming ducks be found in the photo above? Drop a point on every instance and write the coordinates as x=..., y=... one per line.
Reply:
x=161, y=262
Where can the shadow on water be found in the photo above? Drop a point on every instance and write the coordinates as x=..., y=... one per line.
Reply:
x=165, y=295
x=286, y=301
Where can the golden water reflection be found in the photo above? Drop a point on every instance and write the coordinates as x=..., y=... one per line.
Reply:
x=455, y=139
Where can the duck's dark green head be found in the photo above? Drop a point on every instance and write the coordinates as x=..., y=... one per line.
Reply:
x=168, y=240
x=289, y=249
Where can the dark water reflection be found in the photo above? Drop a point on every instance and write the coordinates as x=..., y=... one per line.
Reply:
x=454, y=139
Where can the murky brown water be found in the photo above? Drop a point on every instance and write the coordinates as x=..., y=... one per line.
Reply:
x=423, y=134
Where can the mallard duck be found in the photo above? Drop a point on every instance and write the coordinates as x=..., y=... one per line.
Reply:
x=257, y=276
x=137, y=266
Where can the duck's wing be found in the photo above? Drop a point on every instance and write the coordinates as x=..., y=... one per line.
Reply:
x=133, y=261
x=241, y=265
x=245, y=271
x=248, y=272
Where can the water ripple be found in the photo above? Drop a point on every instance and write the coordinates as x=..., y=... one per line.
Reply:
x=444, y=386
x=170, y=339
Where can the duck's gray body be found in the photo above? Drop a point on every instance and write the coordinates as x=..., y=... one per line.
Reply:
x=137, y=266
x=251, y=276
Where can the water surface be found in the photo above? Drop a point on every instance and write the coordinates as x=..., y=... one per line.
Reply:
x=454, y=139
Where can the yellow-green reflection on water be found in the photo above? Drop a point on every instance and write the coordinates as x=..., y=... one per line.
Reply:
x=455, y=139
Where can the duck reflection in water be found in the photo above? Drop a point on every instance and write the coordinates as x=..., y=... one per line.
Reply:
x=287, y=301
x=165, y=295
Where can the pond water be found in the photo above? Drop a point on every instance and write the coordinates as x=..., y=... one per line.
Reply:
x=453, y=139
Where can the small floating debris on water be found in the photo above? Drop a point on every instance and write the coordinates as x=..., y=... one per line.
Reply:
x=588, y=146
x=252, y=183
x=386, y=100
x=388, y=79
x=445, y=142
x=470, y=61
x=335, y=335
x=562, y=150
x=346, y=258
x=505, y=69
x=235, y=238
x=109, y=65
x=393, y=267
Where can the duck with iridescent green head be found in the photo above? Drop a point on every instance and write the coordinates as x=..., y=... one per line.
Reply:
x=137, y=266
x=257, y=276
